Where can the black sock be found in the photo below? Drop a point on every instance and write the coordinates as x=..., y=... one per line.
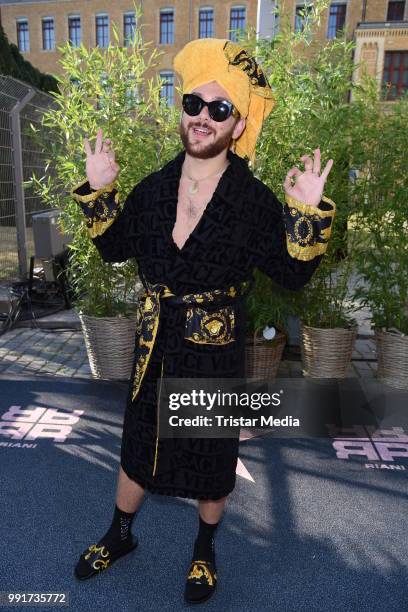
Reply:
x=119, y=532
x=204, y=543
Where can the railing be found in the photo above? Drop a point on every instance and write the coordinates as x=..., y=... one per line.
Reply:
x=381, y=25
x=20, y=105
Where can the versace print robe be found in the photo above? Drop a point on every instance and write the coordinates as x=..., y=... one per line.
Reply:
x=243, y=227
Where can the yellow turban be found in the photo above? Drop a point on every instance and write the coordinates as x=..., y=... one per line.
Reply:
x=215, y=59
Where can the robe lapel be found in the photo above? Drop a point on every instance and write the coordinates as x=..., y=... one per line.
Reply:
x=216, y=218
x=165, y=203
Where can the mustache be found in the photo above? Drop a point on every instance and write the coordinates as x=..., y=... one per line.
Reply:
x=200, y=125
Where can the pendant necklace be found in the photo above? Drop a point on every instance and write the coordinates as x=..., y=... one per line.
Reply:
x=194, y=188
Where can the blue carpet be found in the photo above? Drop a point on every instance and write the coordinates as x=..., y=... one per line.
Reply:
x=304, y=530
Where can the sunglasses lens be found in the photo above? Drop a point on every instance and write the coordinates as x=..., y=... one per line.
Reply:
x=219, y=111
x=192, y=105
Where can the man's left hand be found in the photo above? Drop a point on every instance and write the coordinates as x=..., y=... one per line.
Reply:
x=309, y=186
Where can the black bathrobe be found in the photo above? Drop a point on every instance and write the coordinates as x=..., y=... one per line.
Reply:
x=243, y=226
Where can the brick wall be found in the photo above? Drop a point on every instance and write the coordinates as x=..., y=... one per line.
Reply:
x=371, y=46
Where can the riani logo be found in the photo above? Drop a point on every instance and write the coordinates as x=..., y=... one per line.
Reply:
x=23, y=425
x=380, y=447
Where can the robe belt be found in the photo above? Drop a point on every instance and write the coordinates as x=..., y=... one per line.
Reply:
x=148, y=316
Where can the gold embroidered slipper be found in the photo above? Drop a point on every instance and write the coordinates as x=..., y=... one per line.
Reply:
x=201, y=581
x=97, y=558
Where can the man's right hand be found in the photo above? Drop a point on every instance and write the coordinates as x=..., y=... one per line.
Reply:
x=101, y=168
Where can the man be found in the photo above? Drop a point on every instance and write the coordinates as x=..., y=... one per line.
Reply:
x=197, y=228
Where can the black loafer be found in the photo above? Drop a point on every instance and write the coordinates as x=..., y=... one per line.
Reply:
x=201, y=581
x=97, y=558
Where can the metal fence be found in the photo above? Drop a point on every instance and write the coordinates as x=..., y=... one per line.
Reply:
x=20, y=156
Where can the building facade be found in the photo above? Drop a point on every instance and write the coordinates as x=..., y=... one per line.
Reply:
x=379, y=27
x=39, y=27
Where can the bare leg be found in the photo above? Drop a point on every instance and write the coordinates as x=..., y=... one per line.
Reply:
x=211, y=511
x=130, y=494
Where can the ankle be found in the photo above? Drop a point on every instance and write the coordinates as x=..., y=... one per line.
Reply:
x=120, y=529
x=204, y=549
x=124, y=509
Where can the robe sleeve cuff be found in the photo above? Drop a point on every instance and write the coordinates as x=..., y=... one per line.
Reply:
x=308, y=228
x=100, y=206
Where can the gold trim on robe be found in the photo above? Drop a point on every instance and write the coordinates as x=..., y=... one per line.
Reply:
x=148, y=314
x=157, y=420
x=215, y=327
x=308, y=227
x=147, y=323
x=99, y=208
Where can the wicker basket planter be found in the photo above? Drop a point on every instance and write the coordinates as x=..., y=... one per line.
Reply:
x=392, y=353
x=326, y=353
x=262, y=356
x=110, y=343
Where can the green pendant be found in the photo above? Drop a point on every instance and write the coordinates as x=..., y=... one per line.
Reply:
x=193, y=188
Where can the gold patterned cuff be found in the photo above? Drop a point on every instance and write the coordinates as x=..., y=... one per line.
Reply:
x=99, y=227
x=308, y=227
x=329, y=208
x=84, y=198
x=100, y=207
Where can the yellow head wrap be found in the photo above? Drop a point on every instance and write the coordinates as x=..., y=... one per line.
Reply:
x=215, y=59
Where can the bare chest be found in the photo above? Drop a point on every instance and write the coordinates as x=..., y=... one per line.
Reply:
x=190, y=209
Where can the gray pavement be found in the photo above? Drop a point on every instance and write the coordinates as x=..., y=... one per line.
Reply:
x=42, y=351
x=55, y=345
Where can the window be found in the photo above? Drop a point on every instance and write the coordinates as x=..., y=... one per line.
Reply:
x=107, y=88
x=237, y=21
x=23, y=35
x=206, y=23
x=395, y=10
x=275, y=18
x=132, y=96
x=337, y=19
x=48, y=33
x=129, y=28
x=167, y=89
x=102, y=30
x=166, y=26
x=395, y=73
x=301, y=20
x=74, y=30
x=133, y=92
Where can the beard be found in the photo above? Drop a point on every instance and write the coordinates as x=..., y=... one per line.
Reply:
x=209, y=150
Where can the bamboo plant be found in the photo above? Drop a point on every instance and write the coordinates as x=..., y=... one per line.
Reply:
x=382, y=251
x=108, y=88
x=313, y=109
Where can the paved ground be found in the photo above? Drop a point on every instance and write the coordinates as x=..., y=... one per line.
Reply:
x=62, y=352
x=34, y=351
x=54, y=344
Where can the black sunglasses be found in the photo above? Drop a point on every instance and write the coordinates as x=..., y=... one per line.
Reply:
x=219, y=110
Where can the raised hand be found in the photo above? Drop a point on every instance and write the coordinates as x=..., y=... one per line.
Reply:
x=101, y=168
x=309, y=186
